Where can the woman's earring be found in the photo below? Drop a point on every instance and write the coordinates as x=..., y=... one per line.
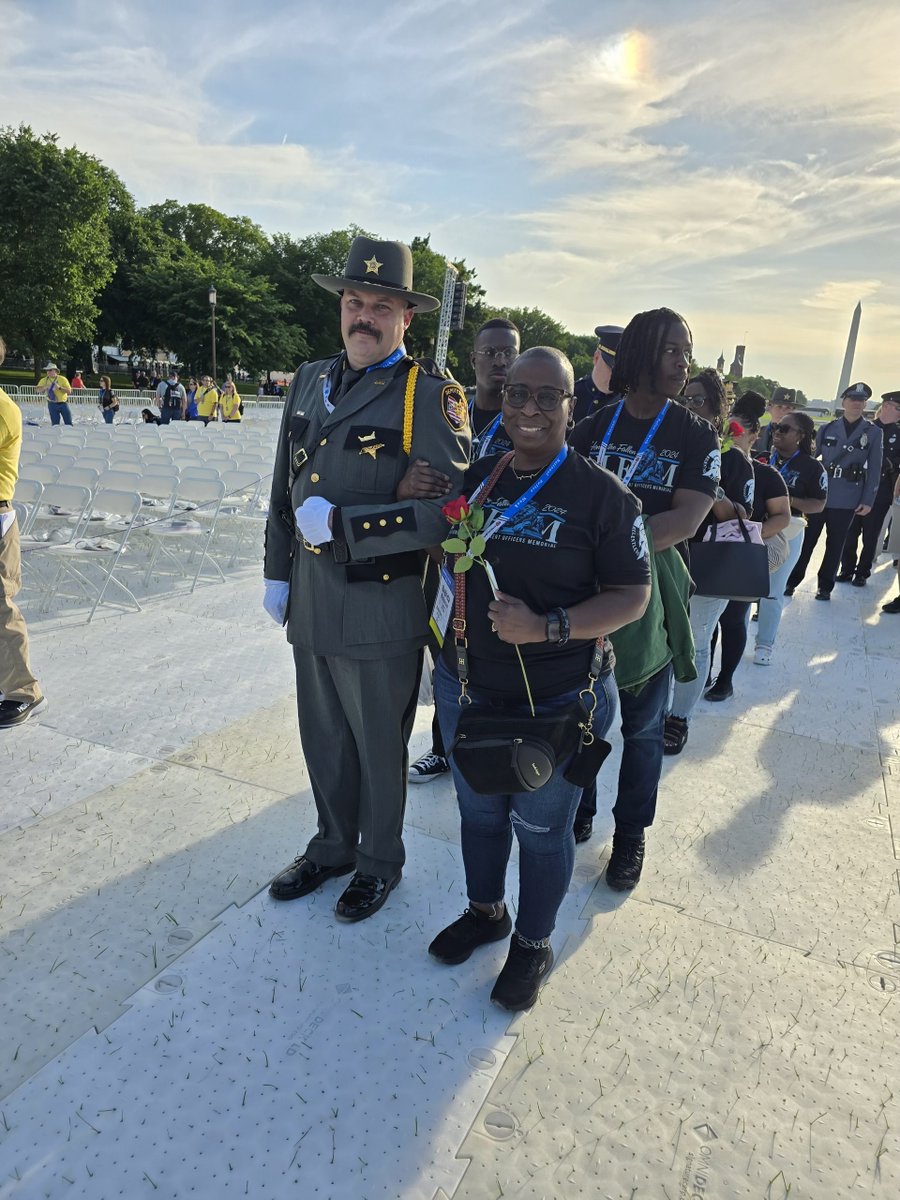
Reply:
x=570, y=424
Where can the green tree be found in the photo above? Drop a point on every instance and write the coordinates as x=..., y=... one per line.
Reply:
x=56, y=206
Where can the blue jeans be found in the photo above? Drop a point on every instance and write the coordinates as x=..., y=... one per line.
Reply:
x=643, y=724
x=169, y=414
x=770, y=610
x=59, y=411
x=542, y=820
x=108, y=414
x=705, y=613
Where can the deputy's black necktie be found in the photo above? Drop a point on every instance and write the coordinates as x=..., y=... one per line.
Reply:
x=347, y=380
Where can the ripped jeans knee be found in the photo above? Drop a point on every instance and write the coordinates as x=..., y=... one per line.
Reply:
x=518, y=821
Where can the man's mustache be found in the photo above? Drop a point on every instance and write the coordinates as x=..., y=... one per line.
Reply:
x=358, y=327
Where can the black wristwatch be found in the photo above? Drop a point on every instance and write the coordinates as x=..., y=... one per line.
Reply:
x=554, y=630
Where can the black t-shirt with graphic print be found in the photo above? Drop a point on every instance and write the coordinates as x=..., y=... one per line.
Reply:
x=737, y=484
x=481, y=420
x=684, y=453
x=805, y=477
x=769, y=485
x=582, y=530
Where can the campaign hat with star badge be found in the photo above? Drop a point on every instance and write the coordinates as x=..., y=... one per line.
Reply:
x=857, y=391
x=379, y=267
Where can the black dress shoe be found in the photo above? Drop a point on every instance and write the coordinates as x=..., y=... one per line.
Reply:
x=583, y=830
x=892, y=606
x=860, y=581
x=303, y=877
x=720, y=690
x=821, y=594
x=844, y=577
x=363, y=896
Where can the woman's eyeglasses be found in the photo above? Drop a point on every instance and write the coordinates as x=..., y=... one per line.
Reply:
x=694, y=401
x=780, y=427
x=548, y=399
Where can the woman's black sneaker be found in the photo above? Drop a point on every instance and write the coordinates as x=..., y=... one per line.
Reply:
x=625, y=862
x=522, y=977
x=473, y=929
x=429, y=766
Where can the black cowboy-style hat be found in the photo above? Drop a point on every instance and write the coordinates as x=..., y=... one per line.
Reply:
x=785, y=396
x=379, y=267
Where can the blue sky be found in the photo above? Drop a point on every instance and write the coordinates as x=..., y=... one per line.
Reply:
x=739, y=163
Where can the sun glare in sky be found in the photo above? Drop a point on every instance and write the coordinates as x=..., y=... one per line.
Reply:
x=625, y=57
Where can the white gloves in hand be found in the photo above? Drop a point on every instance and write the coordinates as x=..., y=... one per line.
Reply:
x=275, y=599
x=312, y=520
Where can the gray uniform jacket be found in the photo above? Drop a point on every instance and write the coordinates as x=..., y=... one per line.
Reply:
x=853, y=462
x=360, y=596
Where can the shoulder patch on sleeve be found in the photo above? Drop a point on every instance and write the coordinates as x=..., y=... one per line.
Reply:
x=454, y=406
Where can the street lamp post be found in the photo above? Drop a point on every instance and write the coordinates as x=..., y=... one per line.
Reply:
x=212, y=309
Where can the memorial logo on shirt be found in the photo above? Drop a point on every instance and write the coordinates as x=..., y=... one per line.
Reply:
x=823, y=481
x=639, y=540
x=712, y=465
x=654, y=471
x=538, y=526
x=749, y=492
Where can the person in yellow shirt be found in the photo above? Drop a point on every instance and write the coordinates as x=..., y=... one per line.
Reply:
x=230, y=402
x=22, y=697
x=207, y=400
x=56, y=388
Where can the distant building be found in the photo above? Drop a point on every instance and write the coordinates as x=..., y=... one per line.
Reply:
x=737, y=367
x=720, y=365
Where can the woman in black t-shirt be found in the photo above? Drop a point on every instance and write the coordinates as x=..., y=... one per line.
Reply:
x=705, y=396
x=571, y=564
x=793, y=441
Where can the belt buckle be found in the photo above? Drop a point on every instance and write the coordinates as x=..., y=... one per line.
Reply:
x=837, y=472
x=311, y=548
x=299, y=459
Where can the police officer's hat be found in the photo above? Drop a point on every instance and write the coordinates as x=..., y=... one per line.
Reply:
x=608, y=342
x=379, y=267
x=857, y=391
x=786, y=396
x=891, y=397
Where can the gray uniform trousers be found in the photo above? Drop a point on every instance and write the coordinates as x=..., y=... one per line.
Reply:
x=357, y=754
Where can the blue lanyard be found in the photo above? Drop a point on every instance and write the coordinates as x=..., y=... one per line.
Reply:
x=399, y=353
x=645, y=444
x=486, y=437
x=773, y=458
x=499, y=519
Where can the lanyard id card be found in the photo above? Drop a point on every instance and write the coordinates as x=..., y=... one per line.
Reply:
x=443, y=606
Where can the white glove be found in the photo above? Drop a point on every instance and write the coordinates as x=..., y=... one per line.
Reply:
x=312, y=520
x=275, y=599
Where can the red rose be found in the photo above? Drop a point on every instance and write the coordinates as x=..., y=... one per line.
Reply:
x=735, y=429
x=456, y=510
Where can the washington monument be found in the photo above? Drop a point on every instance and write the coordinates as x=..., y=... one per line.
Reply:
x=850, y=351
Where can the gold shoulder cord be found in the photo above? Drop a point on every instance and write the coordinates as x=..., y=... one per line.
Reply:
x=408, y=405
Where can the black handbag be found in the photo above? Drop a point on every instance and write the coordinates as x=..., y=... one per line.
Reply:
x=498, y=752
x=730, y=570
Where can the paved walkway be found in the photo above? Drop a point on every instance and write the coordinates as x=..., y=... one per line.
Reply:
x=728, y=1030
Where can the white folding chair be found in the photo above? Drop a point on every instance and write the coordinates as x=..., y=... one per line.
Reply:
x=28, y=457
x=27, y=499
x=43, y=472
x=104, y=550
x=190, y=532
x=122, y=479
x=159, y=487
x=60, y=461
x=240, y=513
x=81, y=476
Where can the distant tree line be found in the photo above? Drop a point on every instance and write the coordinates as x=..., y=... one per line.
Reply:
x=80, y=264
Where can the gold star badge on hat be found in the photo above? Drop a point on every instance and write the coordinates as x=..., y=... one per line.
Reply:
x=373, y=266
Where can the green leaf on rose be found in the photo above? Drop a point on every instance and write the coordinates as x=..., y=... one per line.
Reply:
x=454, y=545
x=476, y=518
x=477, y=545
x=462, y=564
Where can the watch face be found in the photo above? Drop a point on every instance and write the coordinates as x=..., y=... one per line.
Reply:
x=720, y=493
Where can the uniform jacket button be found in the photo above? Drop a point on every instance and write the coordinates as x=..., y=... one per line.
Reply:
x=314, y=478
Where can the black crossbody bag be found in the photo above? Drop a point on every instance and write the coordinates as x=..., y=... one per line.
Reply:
x=497, y=752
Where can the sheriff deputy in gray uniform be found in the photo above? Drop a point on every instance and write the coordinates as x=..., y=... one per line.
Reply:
x=850, y=450
x=344, y=564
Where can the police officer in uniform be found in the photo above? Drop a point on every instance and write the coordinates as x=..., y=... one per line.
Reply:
x=870, y=526
x=850, y=450
x=592, y=391
x=343, y=568
x=784, y=401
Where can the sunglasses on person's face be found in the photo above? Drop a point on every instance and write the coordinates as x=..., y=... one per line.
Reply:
x=548, y=399
x=781, y=427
